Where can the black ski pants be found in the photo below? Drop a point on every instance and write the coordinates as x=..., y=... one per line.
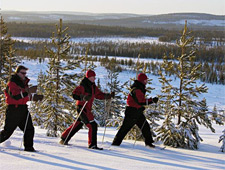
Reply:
x=16, y=116
x=133, y=116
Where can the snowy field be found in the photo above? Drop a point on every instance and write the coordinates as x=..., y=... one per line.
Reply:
x=53, y=156
x=113, y=39
x=191, y=21
x=215, y=95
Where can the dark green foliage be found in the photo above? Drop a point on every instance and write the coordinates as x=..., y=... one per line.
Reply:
x=84, y=30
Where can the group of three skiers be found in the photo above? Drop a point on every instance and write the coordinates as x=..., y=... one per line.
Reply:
x=17, y=94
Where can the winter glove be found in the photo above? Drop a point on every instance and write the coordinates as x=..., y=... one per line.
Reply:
x=33, y=89
x=109, y=95
x=141, y=110
x=37, y=97
x=86, y=97
x=112, y=94
x=155, y=99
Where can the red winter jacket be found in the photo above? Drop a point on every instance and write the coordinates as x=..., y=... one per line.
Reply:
x=15, y=91
x=86, y=87
x=136, y=97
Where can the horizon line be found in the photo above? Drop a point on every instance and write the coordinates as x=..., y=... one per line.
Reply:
x=1, y=10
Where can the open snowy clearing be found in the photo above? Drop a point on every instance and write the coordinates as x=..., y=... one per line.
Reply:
x=52, y=156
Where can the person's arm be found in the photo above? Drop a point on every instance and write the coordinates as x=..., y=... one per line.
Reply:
x=15, y=91
x=140, y=98
x=79, y=94
x=101, y=96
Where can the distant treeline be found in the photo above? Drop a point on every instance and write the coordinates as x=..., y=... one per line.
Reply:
x=212, y=59
x=146, y=50
x=44, y=30
x=214, y=72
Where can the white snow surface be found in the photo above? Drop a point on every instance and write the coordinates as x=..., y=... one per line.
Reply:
x=51, y=155
x=191, y=21
x=114, y=39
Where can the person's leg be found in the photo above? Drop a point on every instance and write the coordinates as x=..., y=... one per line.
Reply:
x=78, y=125
x=29, y=131
x=145, y=129
x=11, y=122
x=92, y=133
x=128, y=122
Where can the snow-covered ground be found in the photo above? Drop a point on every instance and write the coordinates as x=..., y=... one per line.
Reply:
x=190, y=21
x=53, y=156
x=114, y=39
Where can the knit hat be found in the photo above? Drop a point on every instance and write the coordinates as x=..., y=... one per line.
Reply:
x=142, y=77
x=90, y=73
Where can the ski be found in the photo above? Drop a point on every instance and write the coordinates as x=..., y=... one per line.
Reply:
x=72, y=145
x=100, y=149
x=160, y=148
x=157, y=147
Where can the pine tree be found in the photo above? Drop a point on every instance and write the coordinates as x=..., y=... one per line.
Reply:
x=35, y=109
x=58, y=107
x=180, y=103
x=6, y=52
x=115, y=106
x=8, y=63
x=98, y=107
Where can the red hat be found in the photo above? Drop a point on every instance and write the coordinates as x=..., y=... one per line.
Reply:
x=142, y=77
x=90, y=73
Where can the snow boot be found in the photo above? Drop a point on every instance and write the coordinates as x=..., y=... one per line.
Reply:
x=62, y=142
x=30, y=149
x=150, y=145
x=114, y=144
x=95, y=147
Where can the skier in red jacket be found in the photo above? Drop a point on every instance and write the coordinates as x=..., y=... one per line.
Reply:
x=86, y=91
x=17, y=94
x=134, y=112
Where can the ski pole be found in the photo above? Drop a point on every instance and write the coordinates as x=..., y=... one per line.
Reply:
x=25, y=127
x=141, y=130
x=75, y=121
x=105, y=120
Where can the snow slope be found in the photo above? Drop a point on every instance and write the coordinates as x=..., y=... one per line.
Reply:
x=52, y=156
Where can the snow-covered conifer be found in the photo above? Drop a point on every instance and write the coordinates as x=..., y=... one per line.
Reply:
x=222, y=139
x=8, y=63
x=114, y=107
x=58, y=106
x=180, y=104
x=35, y=109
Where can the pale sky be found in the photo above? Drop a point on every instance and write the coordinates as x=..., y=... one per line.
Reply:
x=118, y=6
